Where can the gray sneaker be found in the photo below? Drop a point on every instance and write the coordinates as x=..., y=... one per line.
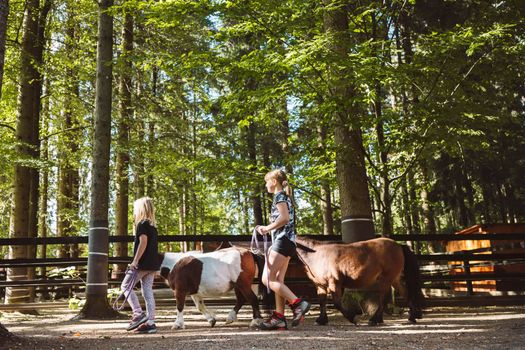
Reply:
x=136, y=321
x=146, y=328
x=299, y=309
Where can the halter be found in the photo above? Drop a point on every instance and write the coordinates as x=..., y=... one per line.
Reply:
x=133, y=280
x=265, y=252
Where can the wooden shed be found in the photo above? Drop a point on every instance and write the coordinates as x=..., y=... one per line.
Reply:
x=488, y=267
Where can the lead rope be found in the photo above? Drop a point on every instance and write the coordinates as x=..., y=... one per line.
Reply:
x=131, y=284
x=265, y=252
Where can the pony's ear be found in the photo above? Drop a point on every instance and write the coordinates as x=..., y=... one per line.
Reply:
x=305, y=248
x=224, y=245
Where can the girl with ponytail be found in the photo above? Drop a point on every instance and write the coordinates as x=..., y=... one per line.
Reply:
x=282, y=229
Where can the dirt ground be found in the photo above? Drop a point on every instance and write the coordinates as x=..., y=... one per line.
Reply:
x=442, y=328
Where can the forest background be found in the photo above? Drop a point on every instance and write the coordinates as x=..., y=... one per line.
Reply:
x=411, y=112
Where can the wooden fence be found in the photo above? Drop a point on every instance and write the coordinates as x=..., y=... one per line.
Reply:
x=436, y=268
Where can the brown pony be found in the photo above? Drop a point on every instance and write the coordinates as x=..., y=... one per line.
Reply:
x=375, y=264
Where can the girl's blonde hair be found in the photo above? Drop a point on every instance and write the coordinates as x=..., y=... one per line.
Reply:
x=143, y=209
x=282, y=179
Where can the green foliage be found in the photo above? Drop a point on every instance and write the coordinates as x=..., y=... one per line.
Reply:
x=223, y=91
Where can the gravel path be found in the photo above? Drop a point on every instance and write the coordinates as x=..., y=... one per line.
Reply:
x=442, y=328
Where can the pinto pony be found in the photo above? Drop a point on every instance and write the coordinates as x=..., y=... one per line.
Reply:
x=212, y=274
x=375, y=264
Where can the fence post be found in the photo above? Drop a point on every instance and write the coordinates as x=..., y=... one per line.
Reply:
x=466, y=267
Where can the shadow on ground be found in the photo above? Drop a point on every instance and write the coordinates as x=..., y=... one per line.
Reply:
x=442, y=328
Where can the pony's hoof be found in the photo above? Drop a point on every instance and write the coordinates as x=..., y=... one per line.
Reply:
x=256, y=322
x=321, y=321
x=413, y=315
x=232, y=317
x=412, y=321
x=373, y=323
x=177, y=326
x=354, y=320
x=212, y=322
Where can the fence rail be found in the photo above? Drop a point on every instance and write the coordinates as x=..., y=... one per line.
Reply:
x=247, y=238
x=437, y=277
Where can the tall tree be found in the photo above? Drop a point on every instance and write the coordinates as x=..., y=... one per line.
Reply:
x=126, y=114
x=4, y=12
x=356, y=210
x=35, y=150
x=326, y=195
x=25, y=188
x=96, y=305
x=44, y=188
x=68, y=184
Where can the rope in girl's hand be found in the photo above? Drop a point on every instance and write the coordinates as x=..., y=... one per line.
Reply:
x=134, y=273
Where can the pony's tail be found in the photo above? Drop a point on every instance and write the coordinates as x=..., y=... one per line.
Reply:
x=268, y=298
x=415, y=297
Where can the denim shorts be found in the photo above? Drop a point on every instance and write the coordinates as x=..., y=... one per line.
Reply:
x=284, y=246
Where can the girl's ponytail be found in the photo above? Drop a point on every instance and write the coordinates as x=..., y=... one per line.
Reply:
x=289, y=191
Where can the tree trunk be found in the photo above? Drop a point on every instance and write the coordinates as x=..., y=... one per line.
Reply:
x=122, y=166
x=502, y=205
x=426, y=206
x=149, y=179
x=283, y=116
x=377, y=109
x=4, y=12
x=35, y=141
x=386, y=199
x=68, y=186
x=414, y=207
x=252, y=155
x=139, y=166
x=510, y=198
x=286, y=149
x=404, y=45
x=150, y=183
x=487, y=202
x=182, y=217
x=244, y=225
x=194, y=198
x=428, y=212
x=22, y=213
x=356, y=210
x=44, y=188
x=265, y=197
x=406, y=207
x=97, y=306
x=460, y=196
x=326, y=208
x=326, y=198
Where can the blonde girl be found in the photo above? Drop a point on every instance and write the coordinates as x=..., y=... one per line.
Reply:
x=143, y=267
